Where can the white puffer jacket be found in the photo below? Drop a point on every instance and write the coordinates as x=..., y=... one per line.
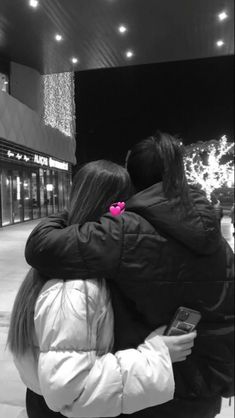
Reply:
x=76, y=380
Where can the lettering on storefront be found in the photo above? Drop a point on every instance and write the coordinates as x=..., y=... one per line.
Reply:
x=17, y=155
x=39, y=159
x=58, y=164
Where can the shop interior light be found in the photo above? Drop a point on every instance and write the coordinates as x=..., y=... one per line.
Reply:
x=49, y=187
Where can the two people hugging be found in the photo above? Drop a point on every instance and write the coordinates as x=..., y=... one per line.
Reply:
x=88, y=321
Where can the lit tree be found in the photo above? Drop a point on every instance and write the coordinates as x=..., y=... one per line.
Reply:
x=210, y=165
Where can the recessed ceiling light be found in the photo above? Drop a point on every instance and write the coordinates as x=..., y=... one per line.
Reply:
x=220, y=43
x=222, y=16
x=33, y=3
x=122, y=29
x=129, y=54
x=74, y=60
x=58, y=37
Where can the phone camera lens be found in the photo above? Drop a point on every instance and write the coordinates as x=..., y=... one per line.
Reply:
x=183, y=316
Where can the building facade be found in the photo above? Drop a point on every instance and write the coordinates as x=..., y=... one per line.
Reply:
x=35, y=162
x=32, y=184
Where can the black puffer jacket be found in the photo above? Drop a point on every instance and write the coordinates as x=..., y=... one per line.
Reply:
x=156, y=259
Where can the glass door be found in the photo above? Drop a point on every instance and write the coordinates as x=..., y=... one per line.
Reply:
x=6, y=197
x=27, y=196
x=17, y=199
x=35, y=195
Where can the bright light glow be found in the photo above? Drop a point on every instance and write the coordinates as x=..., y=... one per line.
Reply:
x=222, y=16
x=58, y=91
x=209, y=170
x=49, y=187
x=58, y=37
x=129, y=54
x=5, y=82
x=220, y=43
x=74, y=60
x=33, y=3
x=122, y=29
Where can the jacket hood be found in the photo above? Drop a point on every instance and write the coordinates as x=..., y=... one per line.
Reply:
x=197, y=229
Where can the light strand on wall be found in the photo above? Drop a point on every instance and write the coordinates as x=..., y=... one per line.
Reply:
x=58, y=92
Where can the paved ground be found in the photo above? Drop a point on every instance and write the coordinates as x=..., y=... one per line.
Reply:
x=12, y=271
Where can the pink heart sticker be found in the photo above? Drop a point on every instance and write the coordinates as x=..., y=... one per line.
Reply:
x=121, y=205
x=115, y=210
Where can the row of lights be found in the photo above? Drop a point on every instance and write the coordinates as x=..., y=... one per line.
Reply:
x=121, y=29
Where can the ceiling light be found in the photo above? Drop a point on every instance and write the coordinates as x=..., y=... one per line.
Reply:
x=122, y=29
x=220, y=43
x=222, y=16
x=74, y=60
x=33, y=3
x=129, y=54
x=58, y=37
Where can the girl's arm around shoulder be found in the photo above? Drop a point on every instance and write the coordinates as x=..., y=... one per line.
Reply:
x=62, y=251
x=77, y=382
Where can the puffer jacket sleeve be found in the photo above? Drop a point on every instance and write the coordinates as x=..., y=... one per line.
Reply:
x=56, y=250
x=76, y=382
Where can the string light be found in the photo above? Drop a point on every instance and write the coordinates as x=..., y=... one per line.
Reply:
x=208, y=170
x=58, y=91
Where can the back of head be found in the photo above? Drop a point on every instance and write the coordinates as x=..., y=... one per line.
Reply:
x=158, y=158
x=95, y=187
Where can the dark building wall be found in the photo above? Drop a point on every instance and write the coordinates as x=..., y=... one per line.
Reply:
x=118, y=107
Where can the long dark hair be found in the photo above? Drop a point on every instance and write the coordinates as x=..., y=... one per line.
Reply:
x=95, y=186
x=159, y=158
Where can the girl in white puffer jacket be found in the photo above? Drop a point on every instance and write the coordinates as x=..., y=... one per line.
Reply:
x=61, y=333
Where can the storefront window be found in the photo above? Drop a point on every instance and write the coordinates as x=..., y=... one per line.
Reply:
x=66, y=188
x=17, y=196
x=27, y=197
x=49, y=190
x=4, y=83
x=6, y=197
x=43, y=192
x=35, y=195
x=55, y=191
x=61, y=191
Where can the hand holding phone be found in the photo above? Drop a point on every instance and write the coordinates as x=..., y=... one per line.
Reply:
x=184, y=321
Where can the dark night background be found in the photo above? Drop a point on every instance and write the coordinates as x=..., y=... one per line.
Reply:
x=117, y=107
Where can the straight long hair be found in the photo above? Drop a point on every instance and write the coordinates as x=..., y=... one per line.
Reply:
x=159, y=158
x=95, y=186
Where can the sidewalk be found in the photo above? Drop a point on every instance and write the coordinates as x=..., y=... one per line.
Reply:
x=13, y=268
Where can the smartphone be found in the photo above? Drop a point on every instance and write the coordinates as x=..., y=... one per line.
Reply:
x=184, y=321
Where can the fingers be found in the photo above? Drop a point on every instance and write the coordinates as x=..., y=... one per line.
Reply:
x=187, y=345
x=182, y=356
x=186, y=338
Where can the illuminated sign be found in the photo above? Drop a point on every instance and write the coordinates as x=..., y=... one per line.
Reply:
x=39, y=159
x=58, y=164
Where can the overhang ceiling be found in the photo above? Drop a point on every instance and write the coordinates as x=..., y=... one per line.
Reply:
x=158, y=31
